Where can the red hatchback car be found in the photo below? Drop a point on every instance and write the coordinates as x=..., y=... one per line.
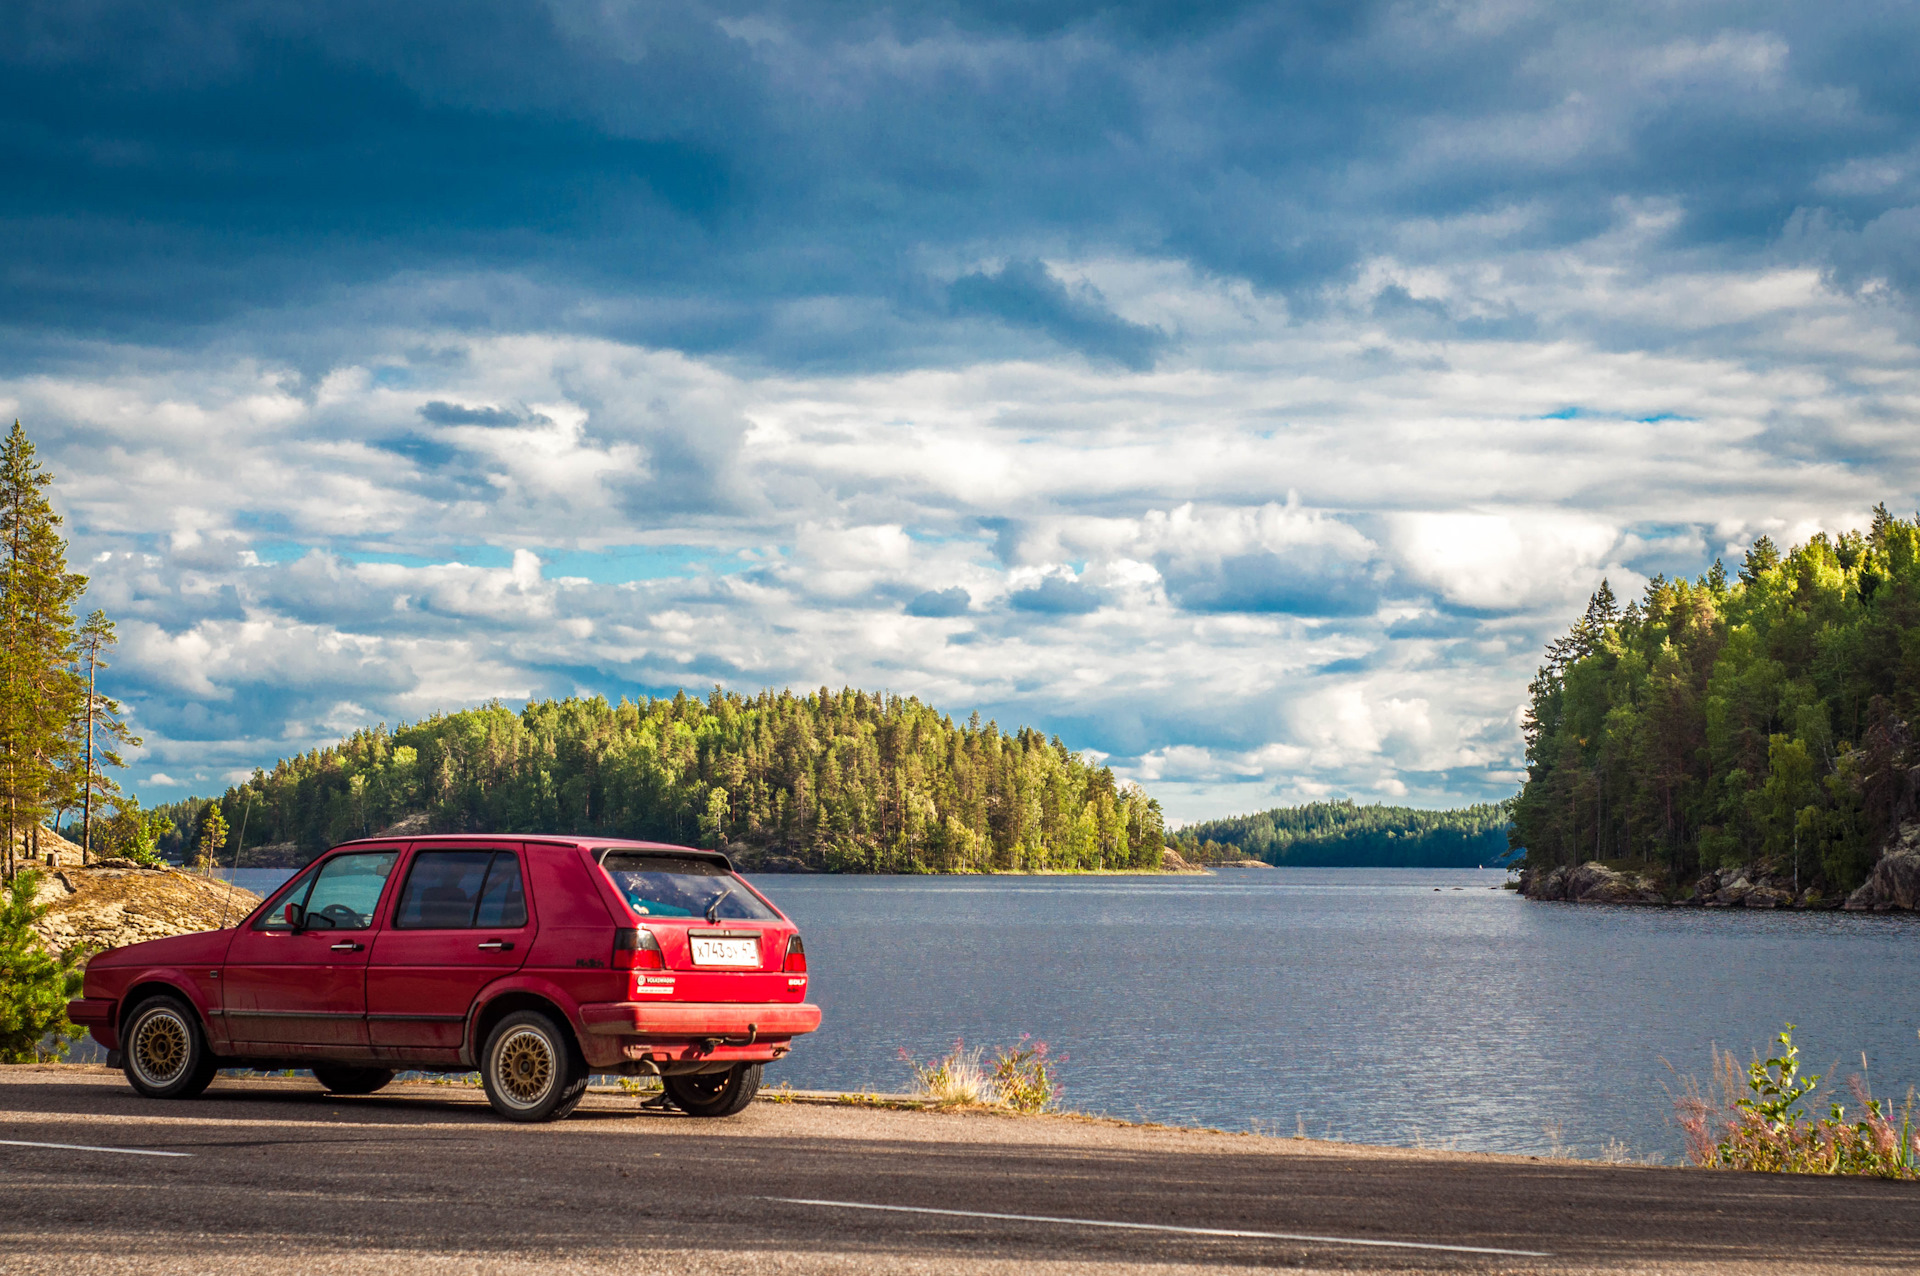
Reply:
x=536, y=960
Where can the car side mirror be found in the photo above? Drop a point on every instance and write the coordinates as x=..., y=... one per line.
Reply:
x=296, y=917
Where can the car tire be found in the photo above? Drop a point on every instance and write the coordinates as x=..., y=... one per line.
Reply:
x=714, y=1094
x=164, y=1051
x=342, y=1079
x=531, y=1068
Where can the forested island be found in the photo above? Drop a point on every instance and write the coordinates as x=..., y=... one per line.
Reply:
x=845, y=781
x=1737, y=739
x=1343, y=835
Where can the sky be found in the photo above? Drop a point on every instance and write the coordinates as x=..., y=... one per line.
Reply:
x=1242, y=392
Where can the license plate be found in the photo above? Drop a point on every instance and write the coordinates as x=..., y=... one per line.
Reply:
x=726, y=952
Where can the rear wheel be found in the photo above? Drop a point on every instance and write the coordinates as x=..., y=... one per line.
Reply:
x=531, y=1069
x=715, y=1094
x=165, y=1054
x=341, y=1079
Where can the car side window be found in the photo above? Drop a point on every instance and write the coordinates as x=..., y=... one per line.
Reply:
x=275, y=918
x=503, y=901
x=459, y=890
x=347, y=890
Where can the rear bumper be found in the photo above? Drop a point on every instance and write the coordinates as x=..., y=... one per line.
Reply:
x=689, y=1020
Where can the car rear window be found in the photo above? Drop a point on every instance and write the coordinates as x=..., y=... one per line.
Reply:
x=682, y=886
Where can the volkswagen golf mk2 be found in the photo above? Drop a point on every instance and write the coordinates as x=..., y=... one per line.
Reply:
x=536, y=960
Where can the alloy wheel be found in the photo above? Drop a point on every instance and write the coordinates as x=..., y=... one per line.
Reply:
x=524, y=1067
x=161, y=1047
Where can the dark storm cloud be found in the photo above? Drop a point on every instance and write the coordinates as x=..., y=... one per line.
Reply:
x=674, y=174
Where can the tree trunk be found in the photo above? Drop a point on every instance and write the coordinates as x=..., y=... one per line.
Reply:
x=86, y=790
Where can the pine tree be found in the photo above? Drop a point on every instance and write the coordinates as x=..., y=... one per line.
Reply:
x=213, y=836
x=101, y=729
x=40, y=692
x=35, y=985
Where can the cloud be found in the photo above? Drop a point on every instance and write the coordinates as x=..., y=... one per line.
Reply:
x=1274, y=559
x=1057, y=596
x=1325, y=359
x=442, y=413
x=1503, y=562
x=1025, y=294
x=940, y=603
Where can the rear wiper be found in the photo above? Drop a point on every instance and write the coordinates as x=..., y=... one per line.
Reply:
x=713, y=905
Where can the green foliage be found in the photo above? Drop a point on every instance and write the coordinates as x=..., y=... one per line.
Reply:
x=846, y=781
x=35, y=985
x=40, y=691
x=131, y=833
x=1340, y=834
x=1024, y=1078
x=1714, y=722
x=99, y=730
x=1775, y=1088
x=1769, y=1129
x=212, y=836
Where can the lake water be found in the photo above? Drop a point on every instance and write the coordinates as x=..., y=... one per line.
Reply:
x=1364, y=1004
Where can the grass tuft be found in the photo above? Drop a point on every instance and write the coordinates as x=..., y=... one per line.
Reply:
x=1768, y=1127
x=1022, y=1077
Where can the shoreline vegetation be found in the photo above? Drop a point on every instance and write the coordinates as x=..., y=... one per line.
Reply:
x=1345, y=835
x=1743, y=740
x=846, y=782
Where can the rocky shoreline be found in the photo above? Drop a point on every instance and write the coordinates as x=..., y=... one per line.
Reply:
x=1893, y=886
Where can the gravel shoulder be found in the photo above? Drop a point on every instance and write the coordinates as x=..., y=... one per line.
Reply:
x=423, y=1177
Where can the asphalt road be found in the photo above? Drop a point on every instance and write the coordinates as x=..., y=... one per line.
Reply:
x=424, y=1178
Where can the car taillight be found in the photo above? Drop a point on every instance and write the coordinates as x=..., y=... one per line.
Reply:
x=635, y=948
x=796, y=955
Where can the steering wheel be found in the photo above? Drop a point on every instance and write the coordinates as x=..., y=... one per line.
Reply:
x=340, y=917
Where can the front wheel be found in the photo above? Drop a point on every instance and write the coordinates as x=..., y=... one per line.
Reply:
x=341, y=1079
x=531, y=1070
x=166, y=1054
x=714, y=1094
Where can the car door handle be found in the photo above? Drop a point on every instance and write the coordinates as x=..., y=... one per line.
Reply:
x=348, y=947
x=498, y=946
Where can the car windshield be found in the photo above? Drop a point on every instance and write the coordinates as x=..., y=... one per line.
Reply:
x=682, y=886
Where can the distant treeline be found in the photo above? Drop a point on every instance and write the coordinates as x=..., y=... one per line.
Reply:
x=1343, y=835
x=1713, y=722
x=845, y=782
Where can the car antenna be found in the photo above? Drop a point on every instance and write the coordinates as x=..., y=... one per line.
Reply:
x=227, y=897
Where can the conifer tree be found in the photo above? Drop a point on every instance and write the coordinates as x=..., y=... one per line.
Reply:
x=40, y=691
x=213, y=836
x=35, y=985
x=101, y=729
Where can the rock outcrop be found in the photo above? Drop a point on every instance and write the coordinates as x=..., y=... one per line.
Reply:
x=43, y=848
x=747, y=859
x=1893, y=886
x=1756, y=885
x=1592, y=883
x=1171, y=861
x=118, y=902
x=1895, y=880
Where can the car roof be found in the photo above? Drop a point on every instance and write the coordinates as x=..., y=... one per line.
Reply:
x=549, y=839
